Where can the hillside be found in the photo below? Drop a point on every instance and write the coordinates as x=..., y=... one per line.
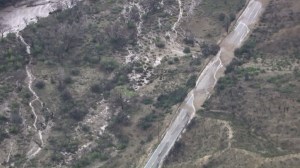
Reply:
x=252, y=118
x=98, y=84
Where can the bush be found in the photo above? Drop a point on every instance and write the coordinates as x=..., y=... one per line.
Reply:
x=246, y=51
x=78, y=114
x=227, y=81
x=146, y=122
x=3, y=119
x=57, y=156
x=176, y=59
x=170, y=62
x=222, y=17
x=189, y=40
x=66, y=95
x=232, y=17
x=68, y=80
x=171, y=98
x=63, y=143
x=108, y=64
x=75, y=72
x=4, y=91
x=232, y=66
x=139, y=69
x=14, y=130
x=15, y=117
x=209, y=49
x=96, y=88
x=191, y=81
x=147, y=101
x=196, y=61
x=187, y=50
x=40, y=84
x=122, y=119
x=131, y=25
x=3, y=134
x=121, y=77
x=159, y=43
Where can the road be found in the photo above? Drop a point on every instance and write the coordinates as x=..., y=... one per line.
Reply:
x=248, y=18
x=206, y=82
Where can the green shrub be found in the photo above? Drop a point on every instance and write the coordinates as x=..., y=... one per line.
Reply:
x=146, y=122
x=171, y=98
x=131, y=25
x=232, y=17
x=221, y=17
x=147, y=101
x=68, y=80
x=15, y=117
x=187, y=50
x=56, y=157
x=122, y=119
x=121, y=77
x=195, y=61
x=209, y=49
x=176, y=60
x=4, y=92
x=66, y=95
x=96, y=88
x=3, y=119
x=232, y=66
x=159, y=43
x=191, y=81
x=108, y=64
x=277, y=80
x=189, y=40
x=246, y=51
x=14, y=130
x=78, y=113
x=225, y=82
x=3, y=134
x=170, y=62
x=75, y=72
x=139, y=69
x=40, y=84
